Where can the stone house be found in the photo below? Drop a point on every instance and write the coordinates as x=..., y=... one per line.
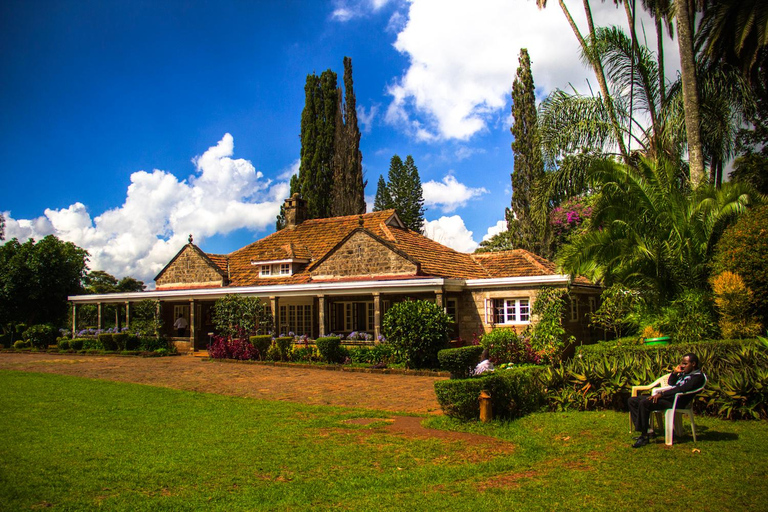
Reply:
x=339, y=275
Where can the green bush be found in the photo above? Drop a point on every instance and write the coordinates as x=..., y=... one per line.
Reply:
x=743, y=249
x=76, y=344
x=20, y=344
x=514, y=393
x=600, y=378
x=92, y=344
x=63, y=344
x=460, y=361
x=132, y=342
x=107, y=341
x=380, y=353
x=418, y=330
x=329, y=348
x=152, y=343
x=689, y=318
x=283, y=344
x=120, y=340
x=261, y=343
x=548, y=336
x=41, y=335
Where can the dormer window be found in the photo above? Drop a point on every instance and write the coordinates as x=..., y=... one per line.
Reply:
x=279, y=268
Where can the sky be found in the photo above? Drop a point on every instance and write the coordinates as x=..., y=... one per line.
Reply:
x=128, y=125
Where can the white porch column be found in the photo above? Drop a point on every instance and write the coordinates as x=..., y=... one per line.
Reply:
x=321, y=318
x=127, y=313
x=376, y=316
x=74, y=319
x=191, y=325
x=274, y=303
x=98, y=321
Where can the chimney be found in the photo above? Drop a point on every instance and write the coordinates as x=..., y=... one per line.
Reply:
x=295, y=210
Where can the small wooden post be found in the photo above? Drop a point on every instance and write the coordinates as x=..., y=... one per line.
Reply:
x=486, y=412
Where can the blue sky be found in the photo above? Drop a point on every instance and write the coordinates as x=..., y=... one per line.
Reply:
x=128, y=125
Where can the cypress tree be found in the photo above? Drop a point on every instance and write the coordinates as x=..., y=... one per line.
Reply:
x=529, y=219
x=331, y=171
x=348, y=186
x=405, y=191
x=383, y=200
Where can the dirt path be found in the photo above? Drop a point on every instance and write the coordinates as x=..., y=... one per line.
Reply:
x=400, y=393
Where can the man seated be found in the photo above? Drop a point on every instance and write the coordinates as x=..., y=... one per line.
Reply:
x=686, y=377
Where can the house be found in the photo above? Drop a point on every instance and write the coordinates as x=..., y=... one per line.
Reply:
x=339, y=275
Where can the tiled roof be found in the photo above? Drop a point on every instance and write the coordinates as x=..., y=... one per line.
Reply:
x=515, y=263
x=313, y=239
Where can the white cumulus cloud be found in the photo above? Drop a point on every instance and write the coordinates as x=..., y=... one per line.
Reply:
x=452, y=232
x=464, y=56
x=449, y=194
x=494, y=230
x=160, y=212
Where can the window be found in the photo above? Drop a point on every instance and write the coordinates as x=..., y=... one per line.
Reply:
x=452, y=309
x=296, y=318
x=511, y=311
x=285, y=269
x=352, y=316
x=592, y=304
x=574, y=308
x=266, y=270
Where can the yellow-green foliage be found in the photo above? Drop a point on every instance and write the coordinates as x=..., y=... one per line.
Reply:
x=733, y=300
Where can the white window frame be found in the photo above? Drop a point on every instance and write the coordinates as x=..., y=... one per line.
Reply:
x=574, y=308
x=518, y=309
x=265, y=271
x=285, y=269
x=452, y=309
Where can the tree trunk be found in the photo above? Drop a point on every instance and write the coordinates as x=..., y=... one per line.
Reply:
x=690, y=92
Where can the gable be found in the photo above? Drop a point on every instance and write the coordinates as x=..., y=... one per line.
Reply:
x=191, y=268
x=362, y=254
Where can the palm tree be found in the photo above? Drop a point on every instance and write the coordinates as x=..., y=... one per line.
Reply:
x=735, y=32
x=684, y=13
x=650, y=230
x=587, y=49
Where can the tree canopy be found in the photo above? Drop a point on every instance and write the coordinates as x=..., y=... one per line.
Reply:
x=36, y=278
x=402, y=192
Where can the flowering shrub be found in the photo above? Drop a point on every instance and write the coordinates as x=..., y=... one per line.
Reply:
x=570, y=217
x=733, y=300
x=235, y=348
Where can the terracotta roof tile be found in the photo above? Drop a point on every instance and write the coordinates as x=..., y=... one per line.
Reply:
x=313, y=239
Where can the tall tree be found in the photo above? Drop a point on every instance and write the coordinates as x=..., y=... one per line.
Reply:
x=348, y=185
x=685, y=15
x=588, y=48
x=36, y=278
x=2, y=227
x=528, y=208
x=404, y=187
x=330, y=171
x=382, y=201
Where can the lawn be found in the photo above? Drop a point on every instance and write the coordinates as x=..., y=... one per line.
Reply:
x=78, y=444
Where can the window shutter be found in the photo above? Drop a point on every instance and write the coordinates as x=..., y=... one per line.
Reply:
x=488, y=306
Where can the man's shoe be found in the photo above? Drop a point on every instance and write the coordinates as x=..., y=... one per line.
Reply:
x=641, y=441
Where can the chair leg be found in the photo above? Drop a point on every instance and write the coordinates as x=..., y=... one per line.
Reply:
x=669, y=426
x=693, y=425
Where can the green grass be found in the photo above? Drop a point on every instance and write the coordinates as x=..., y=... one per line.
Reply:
x=79, y=444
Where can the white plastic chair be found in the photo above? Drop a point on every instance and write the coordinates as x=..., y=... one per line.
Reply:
x=673, y=418
x=661, y=382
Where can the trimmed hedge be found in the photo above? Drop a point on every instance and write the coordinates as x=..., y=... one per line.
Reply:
x=330, y=348
x=261, y=343
x=41, y=335
x=107, y=341
x=283, y=344
x=460, y=361
x=514, y=393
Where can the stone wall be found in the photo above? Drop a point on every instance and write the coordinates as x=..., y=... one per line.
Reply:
x=363, y=255
x=189, y=269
